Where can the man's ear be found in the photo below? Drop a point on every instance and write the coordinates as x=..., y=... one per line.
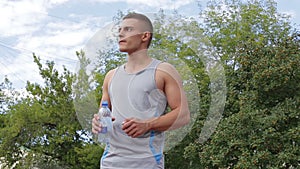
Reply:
x=146, y=36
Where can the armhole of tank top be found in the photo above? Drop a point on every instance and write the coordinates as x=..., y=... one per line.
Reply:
x=111, y=80
x=154, y=74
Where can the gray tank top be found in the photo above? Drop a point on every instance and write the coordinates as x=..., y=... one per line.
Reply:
x=135, y=95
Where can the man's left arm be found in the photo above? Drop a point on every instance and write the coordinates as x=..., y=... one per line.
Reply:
x=177, y=101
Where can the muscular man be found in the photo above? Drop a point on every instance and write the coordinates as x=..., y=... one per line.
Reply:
x=138, y=92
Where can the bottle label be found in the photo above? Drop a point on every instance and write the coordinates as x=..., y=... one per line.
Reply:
x=103, y=130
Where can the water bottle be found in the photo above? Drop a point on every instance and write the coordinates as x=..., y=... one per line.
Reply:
x=105, y=121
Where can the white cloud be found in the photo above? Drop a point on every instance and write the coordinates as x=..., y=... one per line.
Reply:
x=30, y=29
x=19, y=17
x=166, y=4
x=59, y=39
x=64, y=35
x=21, y=70
x=23, y=17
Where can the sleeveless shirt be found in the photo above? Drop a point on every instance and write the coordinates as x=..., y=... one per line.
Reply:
x=135, y=95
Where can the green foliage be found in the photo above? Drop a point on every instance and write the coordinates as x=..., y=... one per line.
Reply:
x=260, y=51
x=89, y=156
x=85, y=99
x=42, y=129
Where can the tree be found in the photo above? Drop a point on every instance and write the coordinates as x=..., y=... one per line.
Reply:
x=5, y=87
x=260, y=52
x=42, y=130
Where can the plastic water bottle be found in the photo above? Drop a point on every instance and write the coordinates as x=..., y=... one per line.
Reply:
x=106, y=123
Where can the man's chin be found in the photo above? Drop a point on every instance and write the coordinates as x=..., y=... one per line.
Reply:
x=122, y=50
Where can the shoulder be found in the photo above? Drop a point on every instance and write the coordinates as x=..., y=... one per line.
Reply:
x=167, y=74
x=165, y=66
x=109, y=75
x=111, y=72
x=167, y=69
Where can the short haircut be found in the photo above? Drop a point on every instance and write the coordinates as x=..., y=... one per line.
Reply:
x=143, y=18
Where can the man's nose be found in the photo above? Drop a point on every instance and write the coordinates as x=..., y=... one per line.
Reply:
x=121, y=33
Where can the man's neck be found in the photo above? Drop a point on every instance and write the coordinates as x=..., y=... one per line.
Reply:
x=137, y=61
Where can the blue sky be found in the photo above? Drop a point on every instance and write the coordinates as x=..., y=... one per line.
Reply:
x=55, y=29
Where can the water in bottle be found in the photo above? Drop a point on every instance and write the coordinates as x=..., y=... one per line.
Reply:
x=105, y=121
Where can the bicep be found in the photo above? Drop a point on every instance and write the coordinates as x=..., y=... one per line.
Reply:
x=172, y=91
x=106, y=82
x=173, y=88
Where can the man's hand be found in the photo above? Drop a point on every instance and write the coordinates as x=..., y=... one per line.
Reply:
x=96, y=127
x=135, y=127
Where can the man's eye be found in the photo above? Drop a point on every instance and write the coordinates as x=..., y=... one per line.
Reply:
x=129, y=29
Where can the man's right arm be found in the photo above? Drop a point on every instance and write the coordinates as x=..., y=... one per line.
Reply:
x=96, y=128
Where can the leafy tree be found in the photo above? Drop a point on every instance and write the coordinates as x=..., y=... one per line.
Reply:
x=260, y=52
x=42, y=130
x=5, y=86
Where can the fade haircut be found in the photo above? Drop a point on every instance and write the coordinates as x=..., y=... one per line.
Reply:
x=145, y=19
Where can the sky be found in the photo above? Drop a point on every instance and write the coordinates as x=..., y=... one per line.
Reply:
x=55, y=29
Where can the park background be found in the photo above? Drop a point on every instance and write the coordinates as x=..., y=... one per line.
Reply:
x=257, y=46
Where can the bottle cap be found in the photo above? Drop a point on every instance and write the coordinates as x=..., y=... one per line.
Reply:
x=104, y=103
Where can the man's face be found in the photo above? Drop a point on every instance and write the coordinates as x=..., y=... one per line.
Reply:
x=130, y=35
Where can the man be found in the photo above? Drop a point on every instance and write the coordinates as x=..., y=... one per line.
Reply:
x=137, y=93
